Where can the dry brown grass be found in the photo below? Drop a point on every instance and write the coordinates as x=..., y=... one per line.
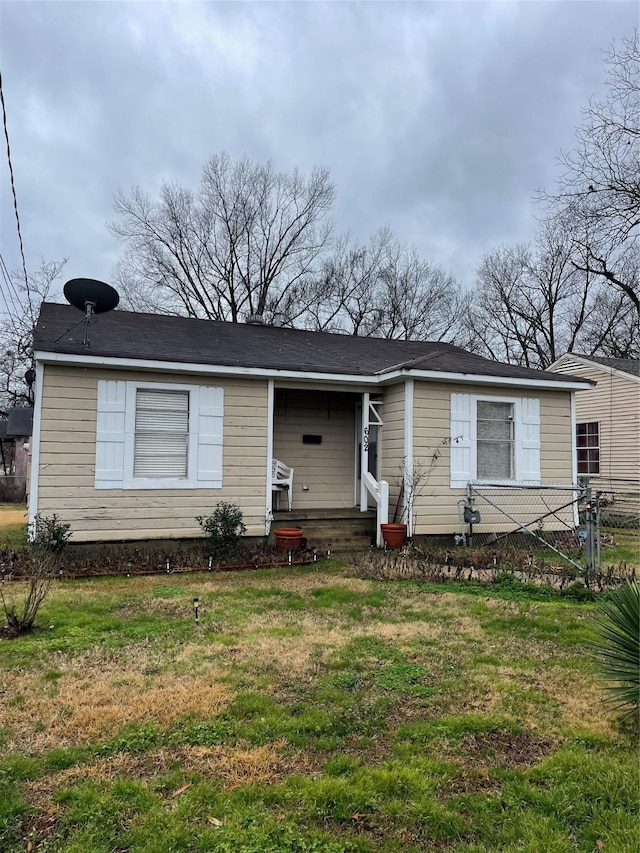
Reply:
x=90, y=702
x=11, y=515
x=231, y=767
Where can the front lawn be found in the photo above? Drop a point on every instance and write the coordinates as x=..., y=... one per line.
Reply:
x=308, y=710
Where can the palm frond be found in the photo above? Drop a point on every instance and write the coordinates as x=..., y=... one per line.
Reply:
x=618, y=646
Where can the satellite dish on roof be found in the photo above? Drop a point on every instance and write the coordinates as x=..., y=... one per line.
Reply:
x=83, y=292
x=92, y=297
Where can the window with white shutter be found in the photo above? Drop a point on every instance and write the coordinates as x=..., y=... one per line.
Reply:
x=152, y=435
x=494, y=439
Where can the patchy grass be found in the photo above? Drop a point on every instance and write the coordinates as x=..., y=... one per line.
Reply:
x=309, y=710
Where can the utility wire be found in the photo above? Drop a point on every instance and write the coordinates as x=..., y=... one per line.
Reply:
x=11, y=288
x=13, y=190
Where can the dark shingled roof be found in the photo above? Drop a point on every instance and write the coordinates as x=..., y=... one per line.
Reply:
x=128, y=335
x=626, y=365
x=20, y=422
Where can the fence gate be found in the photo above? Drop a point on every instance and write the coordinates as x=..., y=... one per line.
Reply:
x=527, y=517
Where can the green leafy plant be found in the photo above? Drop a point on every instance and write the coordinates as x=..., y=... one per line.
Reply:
x=49, y=534
x=223, y=527
x=619, y=646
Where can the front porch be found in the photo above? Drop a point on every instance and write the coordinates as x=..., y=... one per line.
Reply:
x=328, y=438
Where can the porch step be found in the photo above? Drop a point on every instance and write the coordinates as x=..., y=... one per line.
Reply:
x=340, y=530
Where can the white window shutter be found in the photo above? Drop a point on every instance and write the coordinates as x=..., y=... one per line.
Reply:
x=210, y=425
x=528, y=442
x=461, y=456
x=110, y=434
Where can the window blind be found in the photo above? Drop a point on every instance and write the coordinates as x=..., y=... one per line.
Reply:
x=495, y=440
x=161, y=433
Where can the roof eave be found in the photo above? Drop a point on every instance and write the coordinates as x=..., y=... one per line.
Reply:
x=47, y=357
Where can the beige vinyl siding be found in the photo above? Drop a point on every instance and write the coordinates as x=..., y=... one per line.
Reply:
x=436, y=508
x=392, y=442
x=68, y=455
x=328, y=469
x=615, y=404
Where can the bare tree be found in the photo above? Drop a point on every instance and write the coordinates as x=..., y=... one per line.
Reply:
x=384, y=289
x=16, y=331
x=598, y=194
x=244, y=243
x=532, y=303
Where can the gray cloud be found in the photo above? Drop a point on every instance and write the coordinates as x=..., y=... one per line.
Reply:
x=439, y=119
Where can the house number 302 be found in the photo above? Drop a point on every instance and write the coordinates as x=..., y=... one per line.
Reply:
x=365, y=438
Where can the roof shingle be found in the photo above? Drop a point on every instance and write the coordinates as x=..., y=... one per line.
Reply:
x=157, y=337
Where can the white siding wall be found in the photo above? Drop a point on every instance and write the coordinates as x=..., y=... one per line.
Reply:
x=436, y=507
x=68, y=455
x=392, y=443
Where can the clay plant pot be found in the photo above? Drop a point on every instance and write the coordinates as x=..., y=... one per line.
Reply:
x=288, y=538
x=394, y=535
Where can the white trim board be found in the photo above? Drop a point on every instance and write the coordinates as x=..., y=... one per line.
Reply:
x=341, y=379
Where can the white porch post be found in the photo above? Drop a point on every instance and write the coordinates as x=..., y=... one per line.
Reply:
x=268, y=517
x=408, y=455
x=364, y=451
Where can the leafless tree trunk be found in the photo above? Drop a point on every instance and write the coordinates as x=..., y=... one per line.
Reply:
x=244, y=243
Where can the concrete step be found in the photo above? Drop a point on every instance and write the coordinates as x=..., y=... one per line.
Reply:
x=340, y=530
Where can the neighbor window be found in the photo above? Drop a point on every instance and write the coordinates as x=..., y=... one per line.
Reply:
x=588, y=444
x=161, y=445
x=495, y=440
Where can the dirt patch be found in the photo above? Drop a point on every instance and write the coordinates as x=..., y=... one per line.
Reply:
x=501, y=749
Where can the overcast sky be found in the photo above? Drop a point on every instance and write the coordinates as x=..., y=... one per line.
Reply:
x=439, y=119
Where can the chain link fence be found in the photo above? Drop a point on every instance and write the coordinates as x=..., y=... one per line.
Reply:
x=527, y=518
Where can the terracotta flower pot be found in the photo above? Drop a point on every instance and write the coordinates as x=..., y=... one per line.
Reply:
x=394, y=535
x=288, y=538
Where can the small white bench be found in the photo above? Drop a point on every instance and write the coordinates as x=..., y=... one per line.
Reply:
x=282, y=479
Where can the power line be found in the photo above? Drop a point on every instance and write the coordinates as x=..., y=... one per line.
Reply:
x=13, y=190
x=13, y=293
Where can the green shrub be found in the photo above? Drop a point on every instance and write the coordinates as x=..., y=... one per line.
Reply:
x=49, y=534
x=619, y=646
x=223, y=527
x=577, y=591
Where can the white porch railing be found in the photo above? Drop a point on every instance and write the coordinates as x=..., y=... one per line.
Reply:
x=379, y=491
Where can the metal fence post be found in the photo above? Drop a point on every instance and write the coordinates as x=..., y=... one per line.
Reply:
x=588, y=544
x=598, y=535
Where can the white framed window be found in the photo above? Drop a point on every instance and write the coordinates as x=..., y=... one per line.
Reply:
x=153, y=435
x=495, y=439
x=588, y=447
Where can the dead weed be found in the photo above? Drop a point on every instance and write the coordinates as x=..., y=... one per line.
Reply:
x=90, y=704
x=231, y=767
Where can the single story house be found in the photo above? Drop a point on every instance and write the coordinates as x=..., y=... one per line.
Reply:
x=607, y=417
x=156, y=418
